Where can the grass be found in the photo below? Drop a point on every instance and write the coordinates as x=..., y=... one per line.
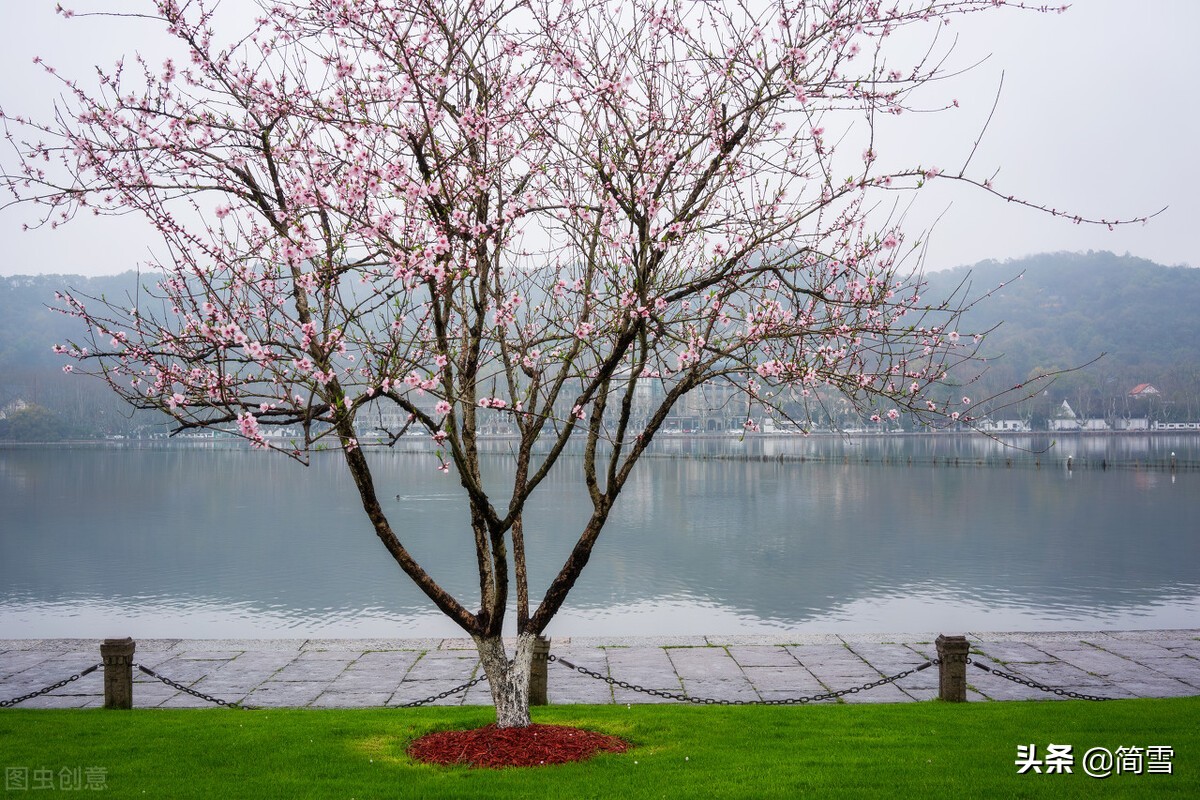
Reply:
x=876, y=750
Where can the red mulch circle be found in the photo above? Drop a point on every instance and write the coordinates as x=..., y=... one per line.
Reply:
x=534, y=746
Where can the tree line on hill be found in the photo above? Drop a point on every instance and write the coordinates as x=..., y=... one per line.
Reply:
x=38, y=401
x=1129, y=320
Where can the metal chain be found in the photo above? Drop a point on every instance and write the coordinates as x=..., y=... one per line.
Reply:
x=709, y=701
x=611, y=681
x=1034, y=685
x=51, y=688
x=192, y=692
x=229, y=704
x=446, y=693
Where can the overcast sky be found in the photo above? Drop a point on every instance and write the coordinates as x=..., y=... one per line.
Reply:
x=1098, y=115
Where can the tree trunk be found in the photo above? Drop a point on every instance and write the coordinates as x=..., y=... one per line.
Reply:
x=509, y=680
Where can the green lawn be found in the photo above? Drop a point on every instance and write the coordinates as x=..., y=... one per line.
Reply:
x=902, y=750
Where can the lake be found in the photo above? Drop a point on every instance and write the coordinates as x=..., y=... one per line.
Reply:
x=721, y=536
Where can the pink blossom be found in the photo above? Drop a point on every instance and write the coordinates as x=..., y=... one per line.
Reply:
x=966, y=401
x=893, y=414
x=248, y=424
x=442, y=408
x=770, y=369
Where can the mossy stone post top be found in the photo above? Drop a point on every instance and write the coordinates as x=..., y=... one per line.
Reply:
x=118, y=647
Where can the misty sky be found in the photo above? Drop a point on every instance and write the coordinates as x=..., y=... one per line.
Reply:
x=1097, y=115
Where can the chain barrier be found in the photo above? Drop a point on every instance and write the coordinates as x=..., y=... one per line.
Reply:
x=1034, y=685
x=207, y=697
x=51, y=687
x=447, y=693
x=460, y=688
x=710, y=701
x=668, y=695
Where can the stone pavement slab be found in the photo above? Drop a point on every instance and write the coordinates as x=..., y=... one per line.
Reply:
x=358, y=673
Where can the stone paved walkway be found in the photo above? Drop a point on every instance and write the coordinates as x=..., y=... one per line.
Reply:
x=343, y=673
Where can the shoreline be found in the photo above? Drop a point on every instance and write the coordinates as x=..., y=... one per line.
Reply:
x=373, y=673
x=364, y=643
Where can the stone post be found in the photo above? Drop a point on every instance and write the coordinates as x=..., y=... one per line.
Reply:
x=117, y=655
x=952, y=668
x=537, y=672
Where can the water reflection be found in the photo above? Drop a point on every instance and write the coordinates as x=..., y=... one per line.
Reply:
x=181, y=542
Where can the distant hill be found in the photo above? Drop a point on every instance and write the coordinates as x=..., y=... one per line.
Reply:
x=1057, y=310
x=28, y=328
x=1065, y=309
x=30, y=372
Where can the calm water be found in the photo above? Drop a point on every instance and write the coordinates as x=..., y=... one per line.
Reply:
x=194, y=542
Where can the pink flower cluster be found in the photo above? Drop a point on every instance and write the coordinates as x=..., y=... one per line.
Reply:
x=248, y=425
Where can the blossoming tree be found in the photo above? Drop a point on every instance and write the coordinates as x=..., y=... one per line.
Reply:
x=568, y=213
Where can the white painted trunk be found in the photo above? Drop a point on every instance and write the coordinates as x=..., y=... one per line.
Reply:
x=509, y=681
